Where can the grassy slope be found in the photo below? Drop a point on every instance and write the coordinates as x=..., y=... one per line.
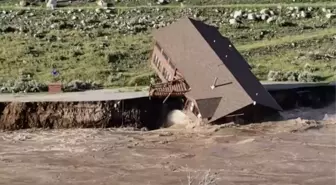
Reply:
x=247, y=4
x=288, y=39
x=231, y=3
x=78, y=56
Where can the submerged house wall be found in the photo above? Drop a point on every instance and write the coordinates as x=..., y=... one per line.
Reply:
x=250, y=114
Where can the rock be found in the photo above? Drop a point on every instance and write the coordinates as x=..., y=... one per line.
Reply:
x=271, y=19
x=264, y=17
x=54, y=26
x=303, y=14
x=102, y=4
x=297, y=8
x=233, y=22
x=161, y=2
x=238, y=14
x=290, y=8
x=330, y=15
x=265, y=11
x=23, y=3
x=3, y=90
x=20, y=12
x=98, y=10
x=52, y=4
x=251, y=16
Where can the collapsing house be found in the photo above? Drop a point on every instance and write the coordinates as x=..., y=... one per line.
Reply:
x=194, y=61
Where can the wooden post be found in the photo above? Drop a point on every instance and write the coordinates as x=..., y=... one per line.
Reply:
x=167, y=96
x=55, y=88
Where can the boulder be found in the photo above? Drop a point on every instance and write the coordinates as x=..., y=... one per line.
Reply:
x=304, y=14
x=52, y=4
x=330, y=15
x=23, y=3
x=238, y=14
x=234, y=22
x=264, y=17
x=161, y=2
x=102, y=4
x=251, y=16
x=265, y=11
x=271, y=19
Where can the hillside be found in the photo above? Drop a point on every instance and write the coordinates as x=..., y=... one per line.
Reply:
x=290, y=42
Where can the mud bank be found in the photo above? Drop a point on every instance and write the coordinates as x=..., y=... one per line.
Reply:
x=315, y=97
x=136, y=113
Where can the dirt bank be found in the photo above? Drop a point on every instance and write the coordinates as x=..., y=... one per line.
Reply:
x=137, y=113
x=56, y=115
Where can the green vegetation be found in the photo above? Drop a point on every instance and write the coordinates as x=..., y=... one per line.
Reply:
x=173, y=3
x=112, y=46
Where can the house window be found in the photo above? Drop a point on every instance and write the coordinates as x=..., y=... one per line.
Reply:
x=164, y=55
x=164, y=72
x=158, y=46
x=158, y=65
x=156, y=59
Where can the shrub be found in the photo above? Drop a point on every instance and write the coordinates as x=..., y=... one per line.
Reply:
x=78, y=85
x=308, y=77
x=275, y=76
x=23, y=86
x=143, y=79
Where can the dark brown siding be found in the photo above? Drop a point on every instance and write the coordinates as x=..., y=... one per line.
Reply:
x=188, y=45
x=162, y=65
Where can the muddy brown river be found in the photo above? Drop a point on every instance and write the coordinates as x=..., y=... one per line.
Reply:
x=289, y=152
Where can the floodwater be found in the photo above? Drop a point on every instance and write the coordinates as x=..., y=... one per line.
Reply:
x=288, y=152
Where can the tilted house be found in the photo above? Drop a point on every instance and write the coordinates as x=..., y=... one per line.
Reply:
x=194, y=59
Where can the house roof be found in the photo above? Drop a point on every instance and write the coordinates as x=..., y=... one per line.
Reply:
x=202, y=54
